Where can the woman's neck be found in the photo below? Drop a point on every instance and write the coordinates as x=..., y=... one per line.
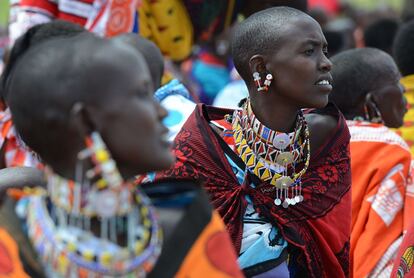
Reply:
x=83, y=206
x=358, y=114
x=276, y=114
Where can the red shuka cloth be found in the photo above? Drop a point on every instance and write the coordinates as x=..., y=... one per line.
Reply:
x=317, y=229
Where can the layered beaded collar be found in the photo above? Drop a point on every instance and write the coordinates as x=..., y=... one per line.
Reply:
x=276, y=157
x=100, y=226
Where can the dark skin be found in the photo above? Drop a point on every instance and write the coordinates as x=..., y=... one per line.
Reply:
x=139, y=144
x=297, y=65
x=124, y=113
x=387, y=96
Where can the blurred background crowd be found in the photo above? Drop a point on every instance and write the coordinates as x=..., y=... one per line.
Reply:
x=197, y=43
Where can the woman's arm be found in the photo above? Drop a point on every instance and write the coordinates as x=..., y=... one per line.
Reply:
x=20, y=177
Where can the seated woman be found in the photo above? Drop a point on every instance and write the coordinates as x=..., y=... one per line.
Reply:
x=368, y=92
x=86, y=106
x=278, y=176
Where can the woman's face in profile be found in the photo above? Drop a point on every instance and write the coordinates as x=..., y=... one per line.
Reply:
x=130, y=120
x=300, y=67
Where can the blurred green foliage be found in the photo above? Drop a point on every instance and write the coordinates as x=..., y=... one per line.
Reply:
x=371, y=4
x=4, y=12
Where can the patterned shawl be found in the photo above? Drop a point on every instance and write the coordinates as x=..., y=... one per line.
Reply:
x=317, y=229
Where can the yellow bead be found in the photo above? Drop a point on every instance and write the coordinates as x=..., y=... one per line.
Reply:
x=147, y=223
x=88, y=255
x=139, y=246
x=102, y=155
x=145, y=235
x=101, y=184
x=106, y=258
x=144, y=211
x=71, y=247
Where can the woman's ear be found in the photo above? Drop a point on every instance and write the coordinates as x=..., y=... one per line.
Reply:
x=81, y=120
x=261, y=76
x=370, y=99
x=257, y=64
x=371, y=108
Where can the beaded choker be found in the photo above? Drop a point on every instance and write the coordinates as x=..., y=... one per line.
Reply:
x=276, y=157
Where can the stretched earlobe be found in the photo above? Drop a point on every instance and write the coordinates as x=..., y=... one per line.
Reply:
x=81, y=119
x=372, y=113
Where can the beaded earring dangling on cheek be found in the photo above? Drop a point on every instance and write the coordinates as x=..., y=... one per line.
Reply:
x=257, y=79
x=268, y=81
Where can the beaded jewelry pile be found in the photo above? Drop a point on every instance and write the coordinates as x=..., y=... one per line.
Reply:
x=277, y=157
x=63, y=227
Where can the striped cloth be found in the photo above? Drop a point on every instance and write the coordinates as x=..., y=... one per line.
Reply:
x=165, y=22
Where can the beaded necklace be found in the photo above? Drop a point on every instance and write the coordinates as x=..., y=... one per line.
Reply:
x=62, y=223
x=273, y=156
x=68, y=248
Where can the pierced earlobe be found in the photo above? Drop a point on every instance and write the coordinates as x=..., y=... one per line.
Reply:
x=268, y=81
x=372, y=113
x=257, y=79
x=266, y=84
x=258, y=67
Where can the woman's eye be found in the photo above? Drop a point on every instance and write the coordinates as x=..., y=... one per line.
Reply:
x=325, y=51
x=309, y=52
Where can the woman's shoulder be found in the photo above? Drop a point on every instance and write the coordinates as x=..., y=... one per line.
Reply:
x=326, y=124
x=375, y=133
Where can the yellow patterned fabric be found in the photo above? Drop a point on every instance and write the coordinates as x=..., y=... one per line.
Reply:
x=407, y=130
x=167, y=23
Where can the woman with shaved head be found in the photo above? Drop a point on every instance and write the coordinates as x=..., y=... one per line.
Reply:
x=369, y=93
x=85, y=105
x=278, y=169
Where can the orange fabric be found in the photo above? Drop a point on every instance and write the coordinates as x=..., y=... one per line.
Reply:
x=380, y=162
x=10, y=264
x=212, y=255
x=121, y=17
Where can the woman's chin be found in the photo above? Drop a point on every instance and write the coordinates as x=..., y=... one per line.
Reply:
x=319, y=103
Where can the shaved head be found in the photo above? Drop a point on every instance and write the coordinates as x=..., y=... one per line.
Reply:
x=260, y=34
x=53, y=76
x=356, y=72
x=35, y=35
x=150, y=51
